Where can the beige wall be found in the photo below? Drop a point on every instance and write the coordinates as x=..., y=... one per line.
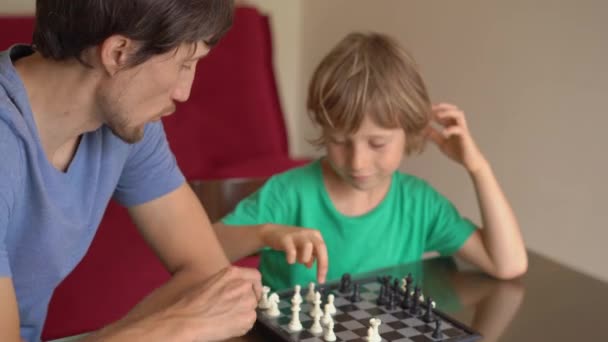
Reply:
x=531, y=76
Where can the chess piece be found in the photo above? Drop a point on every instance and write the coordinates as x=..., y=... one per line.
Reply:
x=310, y=296
x=373, y=334
x=273, y=309
x=356, y=296
x=430, y=305
x=295, y=324
x=415, y=307
x=263, y=303
x=330, y=336
x=380, y=299
x=297, y=297
x=345, y=283
x=332, y=306
x=437, y=332
x=390, y=304
x=316, y=327
x=316, y=308
x=326, y=316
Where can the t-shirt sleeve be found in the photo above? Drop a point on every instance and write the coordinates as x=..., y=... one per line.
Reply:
x=150, y=170
x=266, y=205
x=10, y=178
x=447, y=230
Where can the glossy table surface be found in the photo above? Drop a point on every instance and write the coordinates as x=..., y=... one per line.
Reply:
x=550, y=303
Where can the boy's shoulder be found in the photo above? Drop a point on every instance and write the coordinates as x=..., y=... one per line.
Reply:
x=303, y=175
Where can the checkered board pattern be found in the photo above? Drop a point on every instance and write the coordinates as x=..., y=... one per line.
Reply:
x=351, y=320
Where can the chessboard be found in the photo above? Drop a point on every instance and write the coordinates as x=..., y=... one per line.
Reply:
x=402, y=318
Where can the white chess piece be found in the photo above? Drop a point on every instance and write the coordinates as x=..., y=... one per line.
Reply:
x=326, y=316
x=295, y=324
x=316, y=308
x=310, y=296
x=329, y=333
x=403, y=284
x=263, y=303
x=273, y=309
x=316, y=327
x=297, y=297
x=330, y=301
x=375, y=334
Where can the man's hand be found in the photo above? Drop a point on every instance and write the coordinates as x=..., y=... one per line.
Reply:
x=299, y=244
x=221, y=307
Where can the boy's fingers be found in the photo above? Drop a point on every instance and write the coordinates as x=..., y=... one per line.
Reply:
x=290, y=251
x=322, y=261
x=435, y=136
x=306, y=256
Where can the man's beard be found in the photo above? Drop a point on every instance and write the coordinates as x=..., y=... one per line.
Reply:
x=120, y=127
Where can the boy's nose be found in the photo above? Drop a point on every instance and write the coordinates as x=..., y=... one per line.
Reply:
x=358, y=159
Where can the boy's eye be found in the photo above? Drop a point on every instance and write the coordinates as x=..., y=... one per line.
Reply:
x=377, y=145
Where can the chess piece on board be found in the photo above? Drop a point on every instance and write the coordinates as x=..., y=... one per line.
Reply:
x=273, y=308
x=263, y=303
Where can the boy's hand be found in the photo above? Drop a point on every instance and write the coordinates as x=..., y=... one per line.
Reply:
x=454, y=139
x=299, y=244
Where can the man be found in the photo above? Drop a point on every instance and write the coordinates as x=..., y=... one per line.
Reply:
x=80, y=123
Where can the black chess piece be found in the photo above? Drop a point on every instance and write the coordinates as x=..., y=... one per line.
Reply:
x=345, y=283
x=409, y=278
x=429, y=315
x=406, y=303
x=437, y=332
x=356, y=296
x=396, y=285
x=415, y=307
x=390, y=305
x=380, y=299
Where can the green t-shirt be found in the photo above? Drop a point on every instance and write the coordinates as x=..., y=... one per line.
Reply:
x=412, y=219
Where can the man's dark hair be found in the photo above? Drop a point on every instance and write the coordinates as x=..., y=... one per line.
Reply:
x=65, y=28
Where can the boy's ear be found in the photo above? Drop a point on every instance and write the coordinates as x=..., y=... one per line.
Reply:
x=114, y=53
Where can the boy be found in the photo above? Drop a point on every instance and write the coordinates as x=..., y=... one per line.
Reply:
x=79, y=116
x=359, y=212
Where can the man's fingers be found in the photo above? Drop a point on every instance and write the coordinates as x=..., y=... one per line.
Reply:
x=254, y=277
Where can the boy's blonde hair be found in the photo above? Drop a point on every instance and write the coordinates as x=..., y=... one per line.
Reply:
x=369, y=74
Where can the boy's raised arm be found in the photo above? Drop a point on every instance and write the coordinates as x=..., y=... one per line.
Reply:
x=498, y=248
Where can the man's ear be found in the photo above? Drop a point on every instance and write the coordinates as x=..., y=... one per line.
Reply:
x=114, y=53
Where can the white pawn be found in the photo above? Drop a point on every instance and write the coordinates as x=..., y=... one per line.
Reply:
x=403, y=284
x=326, y=316
x=330, y=302
x=316, y=327
x=273, y=309
x=373, y=334
x=295, y=324
x=297, y=297
x=263, y=303
x=316, y=309
x=329, y=333
x=310, y=296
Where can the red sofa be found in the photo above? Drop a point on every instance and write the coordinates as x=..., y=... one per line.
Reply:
x=232, y=126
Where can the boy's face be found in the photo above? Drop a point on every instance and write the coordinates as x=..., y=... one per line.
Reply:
x=367, y=158
x=148, y=91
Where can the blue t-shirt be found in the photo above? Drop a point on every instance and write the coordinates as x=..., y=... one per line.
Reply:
x=47, y=217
